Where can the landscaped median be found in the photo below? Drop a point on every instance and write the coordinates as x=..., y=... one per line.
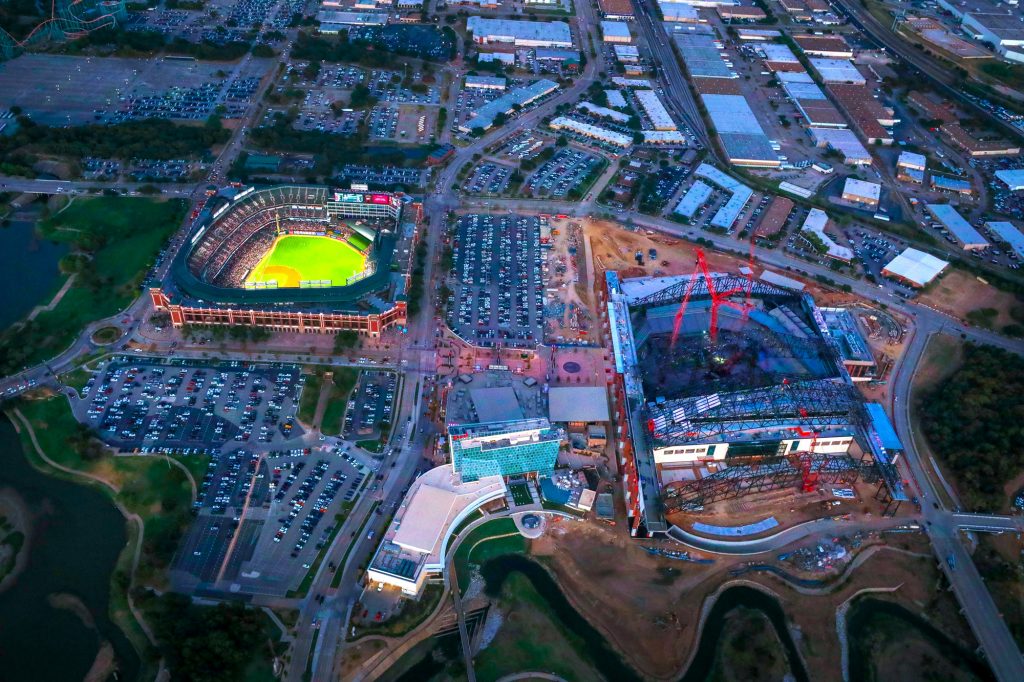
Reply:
x=343, y=381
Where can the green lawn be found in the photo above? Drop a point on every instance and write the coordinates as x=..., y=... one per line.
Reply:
x=343, y=383
x=520, y=494
x=297, y=258
x=531, y=637
x=484, y=542
x=118, y=238
x=359, y=241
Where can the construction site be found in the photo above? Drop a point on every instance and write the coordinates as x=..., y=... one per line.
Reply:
x=735, y=387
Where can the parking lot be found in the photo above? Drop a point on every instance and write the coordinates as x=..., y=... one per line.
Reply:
x=151, y=406
x=489, y=178
x=523, y=146
x=498, y=281
x=384, y=122
x=293, y=499
x=371, y=404
x=556, y=177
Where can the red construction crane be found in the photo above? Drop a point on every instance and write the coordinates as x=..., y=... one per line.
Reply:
x=718, y=298
x=805, y=458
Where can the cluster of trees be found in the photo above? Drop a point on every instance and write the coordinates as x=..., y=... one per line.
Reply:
x=205, y=643
x=416, y=285
x=147, y=139
x=18, y=17
x=974, y=421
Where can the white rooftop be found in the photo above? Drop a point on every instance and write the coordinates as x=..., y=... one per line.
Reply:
x=962, y=230
x=863, y=189
x=912, y=160
x=616, y=29
x=553, y=32
x=1008, y=232
x=1012, y=177
x=816, y=222
x=916, y=266
x=578, y=404
x=777, y=52
x=837, y=70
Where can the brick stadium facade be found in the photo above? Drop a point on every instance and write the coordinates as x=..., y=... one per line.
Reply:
x=281, y=320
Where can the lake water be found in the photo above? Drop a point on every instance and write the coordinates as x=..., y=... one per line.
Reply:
x=77, y=536
x=28, y=268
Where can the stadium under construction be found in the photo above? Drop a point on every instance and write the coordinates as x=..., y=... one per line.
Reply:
x=727, y=386
x=294, y=258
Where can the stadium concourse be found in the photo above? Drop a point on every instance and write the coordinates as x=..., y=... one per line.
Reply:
x=295, y=258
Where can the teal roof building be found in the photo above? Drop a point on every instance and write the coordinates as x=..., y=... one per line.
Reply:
x=503, y=448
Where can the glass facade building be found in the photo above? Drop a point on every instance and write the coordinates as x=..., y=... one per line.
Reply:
x=506, y=448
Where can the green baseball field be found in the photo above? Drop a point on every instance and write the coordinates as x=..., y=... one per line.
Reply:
x=299, y=258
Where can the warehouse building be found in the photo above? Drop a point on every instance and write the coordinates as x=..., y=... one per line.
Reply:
x=815, y=223
x=507, y=103
x=837, y=70
x=831, y=46
x=702, y=56
x=616, y=32
x=914, y=268
x=519, y=33
x=911, y=167
x=1004, y=30
x=942, y=183
x=486, y=82
x=843, y=141
x=627, y=54
x=655, y=110
x=725, y=217
x=774, y=217
x=740, y=13
x=947, y=216
x=1013, y=178
x=813, y=105
x=869, y=117
x=862, y=193
x=591, y=131
x=621, y=10
x=695, y=197
x=1007, y=233
x=680, y=13
x=779, y=57
x=742, y=137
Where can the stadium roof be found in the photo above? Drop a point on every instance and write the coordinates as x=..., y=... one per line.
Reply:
x=578, y=404
x=954, y=222
x=694, y=198
x=739, y=130
x=1007, y=232
x=1012, y=177
x=884, y=427
x=496, y=404
x=916, y=267
x=837, y=70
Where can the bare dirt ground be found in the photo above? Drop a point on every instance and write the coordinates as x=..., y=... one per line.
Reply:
x=649, y=608
x=959, y=292
x=352, y=658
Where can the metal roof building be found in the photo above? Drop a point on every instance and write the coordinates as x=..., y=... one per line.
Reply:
x=947, y=184
x=815, y=223
x=486, y=114
x=603, y=112
x=655, y=110
x=486, y=82
x=616, y=32
x=843, y=141
x=520, y=33
x=969, y=238
x=702, y=56
x=591, y=131
x=913, y=161
x=862, y=192
x=1012, y=178
x=914, y=267
x=578, y=404
x=694, y=198
x=615, y=98
x=741, y=134
x=1007, y=232
x=726, y=215
x=837, y=70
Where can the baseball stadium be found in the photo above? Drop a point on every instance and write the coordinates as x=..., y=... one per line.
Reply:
x=292, y=258
x=730, y=386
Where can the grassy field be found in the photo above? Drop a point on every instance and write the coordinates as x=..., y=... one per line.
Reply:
x=492, y=539
x=748, y=650
x=343, y=383
x=113, y=241
x=531, y=638
x=296, y=258
x=358, y=241
x=158, y=492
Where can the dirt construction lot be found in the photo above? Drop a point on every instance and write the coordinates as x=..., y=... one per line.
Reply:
x=649, y=608
x=958, y=293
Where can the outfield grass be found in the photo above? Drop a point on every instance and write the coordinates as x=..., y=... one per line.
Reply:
x=359, y=241
x=121, y=236
x=296, y=258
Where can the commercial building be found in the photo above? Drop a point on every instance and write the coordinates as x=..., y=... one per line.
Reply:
x=710, y=4
x=974, y=146
x=702, y=56
x=943, y=183
x=616, y=9
x=603, y=112
x=593, y=132
x=947, y=216
x=813, y=105
x=779, y=57
x=1013, y=178
x=1002, y=29
x=911, y=167
x=616, y=32
x=507, y=103
x=831, y=46
x=413, y=548
x=774, y=217
x=669, y=137
x=655, y=109
x=843, y=141
x=914, y=268
x=505, y=448
x=519, y=33
x=862, y=193
x=869, y=117
x=837, y=70
x=695, y=197
x=506, y=58
x=740, y=13
x=627, y=54
x=615, y=98
x=1008, y=233
x=725, y=217
x=757, y=34
x=848, y=337
x=486, y=82
x=816, y=223
x=334, y=22
x=578, y=406
x=742, y=137
x=678, y=12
